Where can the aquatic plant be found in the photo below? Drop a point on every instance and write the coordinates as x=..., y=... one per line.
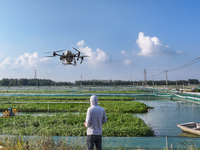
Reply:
x=118, y=125
x=117, y=106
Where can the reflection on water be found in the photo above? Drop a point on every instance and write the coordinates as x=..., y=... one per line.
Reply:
x=167, y=114
x=186, y=134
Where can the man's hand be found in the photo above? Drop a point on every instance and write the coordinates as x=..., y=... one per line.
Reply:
x=85, y=124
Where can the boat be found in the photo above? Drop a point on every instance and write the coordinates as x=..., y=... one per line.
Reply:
x=190, y=127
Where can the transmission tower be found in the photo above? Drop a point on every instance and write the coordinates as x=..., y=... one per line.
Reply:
x=35, y=74
x=166, y=76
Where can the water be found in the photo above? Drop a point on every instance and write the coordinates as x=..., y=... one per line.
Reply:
x=166, y=114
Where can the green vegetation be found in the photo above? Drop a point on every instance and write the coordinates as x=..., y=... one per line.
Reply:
x=38, y=143
x=110, y=107
x=110, y=104
x=118, y=125
x=121, y=121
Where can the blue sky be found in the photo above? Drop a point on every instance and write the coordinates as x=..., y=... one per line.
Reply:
x=122, y=38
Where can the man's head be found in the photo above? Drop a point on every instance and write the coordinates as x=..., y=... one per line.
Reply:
x=93, y=100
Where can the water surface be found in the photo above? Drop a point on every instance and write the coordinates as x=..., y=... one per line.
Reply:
x=167, y=114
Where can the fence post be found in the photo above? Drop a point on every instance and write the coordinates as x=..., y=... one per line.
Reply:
x=193, y=101
x=166, y=142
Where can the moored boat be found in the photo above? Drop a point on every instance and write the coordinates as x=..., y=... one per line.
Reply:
x=190, y=127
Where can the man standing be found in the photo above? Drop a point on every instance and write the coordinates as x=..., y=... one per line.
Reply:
x=95, y=118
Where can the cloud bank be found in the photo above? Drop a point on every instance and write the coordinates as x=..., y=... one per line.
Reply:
x=24, y=61
x=94, y=56
x=150, y=46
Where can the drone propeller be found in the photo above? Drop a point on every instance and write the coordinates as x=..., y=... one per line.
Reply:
x=79, y=53
x=77, y=50
x=49, y=56
x=54, y=53
x=59, y=51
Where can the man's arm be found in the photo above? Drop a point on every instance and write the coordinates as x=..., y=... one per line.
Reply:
x=104, y=117
x=88, y=119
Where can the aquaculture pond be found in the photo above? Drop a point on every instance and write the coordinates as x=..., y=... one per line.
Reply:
x=166, y=114
x=163, y=119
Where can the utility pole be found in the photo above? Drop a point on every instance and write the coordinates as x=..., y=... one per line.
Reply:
x=36, y=77
x=81, y=79
x=153, y=80
x=166, y=77
x=130, y=78
x=145, y=77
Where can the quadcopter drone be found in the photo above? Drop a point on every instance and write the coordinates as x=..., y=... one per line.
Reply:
x=68, y=58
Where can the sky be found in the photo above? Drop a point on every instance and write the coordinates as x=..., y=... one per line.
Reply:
x=122, y=37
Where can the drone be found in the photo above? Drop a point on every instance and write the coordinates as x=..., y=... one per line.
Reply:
x=69, y=58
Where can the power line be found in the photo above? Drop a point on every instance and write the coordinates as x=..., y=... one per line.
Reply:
x=187, y=64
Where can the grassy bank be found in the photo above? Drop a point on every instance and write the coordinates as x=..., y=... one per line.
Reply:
x=118, y=125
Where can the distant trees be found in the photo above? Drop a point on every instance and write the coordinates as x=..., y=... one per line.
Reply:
x=193, y=81
x=32, y=82
x=48, y=82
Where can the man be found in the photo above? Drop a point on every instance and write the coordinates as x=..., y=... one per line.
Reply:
x=95, y=118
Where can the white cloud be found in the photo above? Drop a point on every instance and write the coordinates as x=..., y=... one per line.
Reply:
x=180, y=52
x=152, y=46
x=25, y=61
x=127, y=62
x=123, y=52
x=94, y=56
x=6, y=62
x=81, y=43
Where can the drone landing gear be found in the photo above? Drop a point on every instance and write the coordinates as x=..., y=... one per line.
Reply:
x=74, y=62
x=64, y=62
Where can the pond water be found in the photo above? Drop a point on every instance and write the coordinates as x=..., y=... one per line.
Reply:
x=167, y=114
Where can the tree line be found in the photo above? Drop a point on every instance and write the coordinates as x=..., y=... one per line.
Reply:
x=32, y=82
x=137, y=83
x=48, y=82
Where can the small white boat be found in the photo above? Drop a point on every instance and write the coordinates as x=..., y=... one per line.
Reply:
x=190, y=127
